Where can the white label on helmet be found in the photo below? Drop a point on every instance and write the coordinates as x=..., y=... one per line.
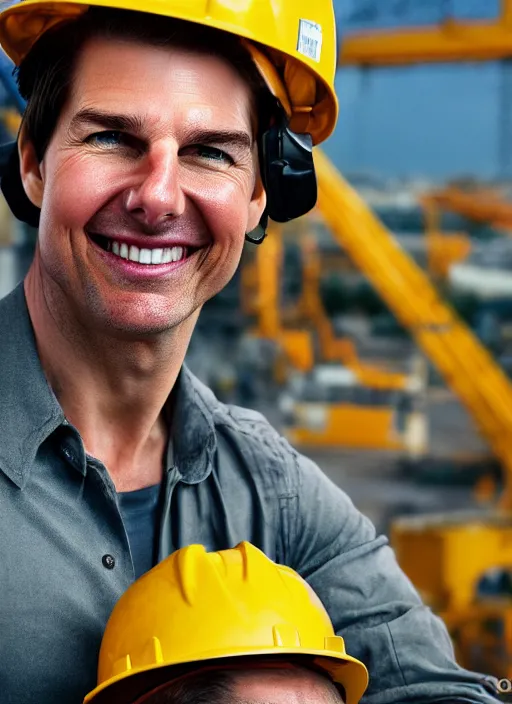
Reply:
x=310, y=39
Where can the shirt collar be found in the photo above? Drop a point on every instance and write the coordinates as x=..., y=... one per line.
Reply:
x=30, y=411
x=193, y=429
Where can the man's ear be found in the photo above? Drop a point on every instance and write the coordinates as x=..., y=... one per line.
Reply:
x=257, y=205
x=30, y=169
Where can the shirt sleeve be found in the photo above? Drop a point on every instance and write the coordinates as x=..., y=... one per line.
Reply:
x=371, y=602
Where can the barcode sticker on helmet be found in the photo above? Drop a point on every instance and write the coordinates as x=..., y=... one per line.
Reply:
x=310, y=39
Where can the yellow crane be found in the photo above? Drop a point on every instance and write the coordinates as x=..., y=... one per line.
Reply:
x=260, y=299
x=464, y=363
x=451, y=41
x=331, y=347
x=461, y=564
x=443, y=248
x=480, y=205
x=446, y=557
x=371, y=408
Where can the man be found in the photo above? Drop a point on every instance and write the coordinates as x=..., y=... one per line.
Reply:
x=223, y=628
x=152, y=143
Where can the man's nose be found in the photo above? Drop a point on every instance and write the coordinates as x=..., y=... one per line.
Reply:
x=158, y=196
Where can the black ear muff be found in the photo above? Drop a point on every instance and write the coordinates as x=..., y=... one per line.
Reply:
x=12, y=187
x=288, y=172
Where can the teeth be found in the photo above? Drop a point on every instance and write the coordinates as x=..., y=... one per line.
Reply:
x=147, y=256
x=157, y=256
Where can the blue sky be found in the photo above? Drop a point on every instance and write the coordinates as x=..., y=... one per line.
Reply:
x=439, y=121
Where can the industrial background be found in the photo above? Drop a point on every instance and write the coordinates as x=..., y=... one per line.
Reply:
x=376, y=333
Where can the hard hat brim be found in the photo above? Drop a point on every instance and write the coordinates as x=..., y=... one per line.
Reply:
x=125, y=688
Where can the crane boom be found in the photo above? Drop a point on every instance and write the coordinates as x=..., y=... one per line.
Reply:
x=450, y=41
x=464, y=363
x=479, y=205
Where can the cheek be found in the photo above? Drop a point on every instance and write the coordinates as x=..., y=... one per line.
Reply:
x=225, y=210
x=74, y=190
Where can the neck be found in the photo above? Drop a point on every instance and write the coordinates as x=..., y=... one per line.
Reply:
x=111, y=389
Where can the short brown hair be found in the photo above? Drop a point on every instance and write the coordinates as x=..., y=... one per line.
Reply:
x=203, y=688
x=218, y=687
x=45, y=75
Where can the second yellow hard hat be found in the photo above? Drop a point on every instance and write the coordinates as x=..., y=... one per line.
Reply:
x=198, y=607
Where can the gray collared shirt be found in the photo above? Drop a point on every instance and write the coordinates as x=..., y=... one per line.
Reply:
x=65, y=557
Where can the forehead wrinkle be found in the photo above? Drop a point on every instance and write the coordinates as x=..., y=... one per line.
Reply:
x=200, y=101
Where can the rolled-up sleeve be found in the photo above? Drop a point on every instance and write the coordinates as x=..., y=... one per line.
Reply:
x=371, y=602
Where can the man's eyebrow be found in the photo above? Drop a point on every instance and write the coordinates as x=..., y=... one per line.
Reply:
x=134, y=124
x=109, y=121
x=236, y=138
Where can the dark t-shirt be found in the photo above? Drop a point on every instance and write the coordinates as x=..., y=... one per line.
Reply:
x=139, y=510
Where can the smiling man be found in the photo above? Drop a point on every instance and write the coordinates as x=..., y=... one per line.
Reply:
x=145, y=189
x=154, y=143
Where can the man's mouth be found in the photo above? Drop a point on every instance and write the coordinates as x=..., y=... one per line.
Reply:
x=141, y=255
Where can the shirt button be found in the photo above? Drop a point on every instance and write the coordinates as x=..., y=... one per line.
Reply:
x=68, y=454
x=108, y=561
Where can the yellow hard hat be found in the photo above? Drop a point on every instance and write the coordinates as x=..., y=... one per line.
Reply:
x=201, y=608
x=292, y=42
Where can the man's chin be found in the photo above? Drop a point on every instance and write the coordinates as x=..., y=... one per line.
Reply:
x=136, y=332
x=144, y=323
x=134, y=328
x=135, y=315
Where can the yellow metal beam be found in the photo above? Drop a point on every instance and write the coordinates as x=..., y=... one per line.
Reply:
x=506, y=12
x=480, y=205
x=465, y=364
x=448, y=42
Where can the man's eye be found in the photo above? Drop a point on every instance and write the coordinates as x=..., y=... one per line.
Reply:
x=109, y=138
x=212, y=153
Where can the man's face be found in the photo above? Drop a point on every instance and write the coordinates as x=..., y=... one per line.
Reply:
x=148, y=186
